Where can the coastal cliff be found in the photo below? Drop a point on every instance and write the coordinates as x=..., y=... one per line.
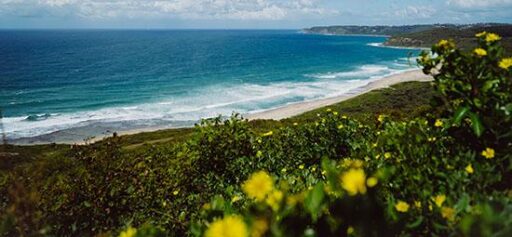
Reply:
x=422, y=35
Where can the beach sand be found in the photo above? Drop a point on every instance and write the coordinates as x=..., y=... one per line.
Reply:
x=300, y=108
x=73, y=136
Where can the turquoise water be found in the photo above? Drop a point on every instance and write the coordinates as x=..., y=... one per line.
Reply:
x=55, y=80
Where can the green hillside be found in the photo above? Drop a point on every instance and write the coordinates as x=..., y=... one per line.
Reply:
x=416, y=159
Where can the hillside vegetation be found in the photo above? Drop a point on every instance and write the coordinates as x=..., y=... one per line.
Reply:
x=372, y=166
x=423, y=35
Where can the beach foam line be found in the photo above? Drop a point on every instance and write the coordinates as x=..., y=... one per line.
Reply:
x=208, y=102
x=300, y=108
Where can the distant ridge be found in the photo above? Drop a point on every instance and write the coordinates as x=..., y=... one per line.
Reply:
x=421, y=35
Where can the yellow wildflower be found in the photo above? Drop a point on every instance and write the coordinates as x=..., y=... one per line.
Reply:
x=506, y=63
x=231, y=226
x=480, y=52
x=340, y=126
x=274, y=199
x=481, y=34
x=344, y=117
x=235, y=198
x=259, y=154
x=284, y=170
x=130, y=232
x=443, y=43
x=313, y=169
x=417, y=204
x=258, y=185
x=295, y=124
x=488, y=153
x=402, y=206
x=259, y=227
x=335, y=113
x=381, y=118
x=491, y=37
x=371, y=182
x=328, y=110
x=301, y=167
x=176, y=192
x=448, y=213
x=387, y=155
x=270, y=133
x=350, y=230
x=469, y=169
x=354, y=181
x=439, y=200
x=438, y=123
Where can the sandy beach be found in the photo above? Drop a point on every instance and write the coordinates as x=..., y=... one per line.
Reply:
x=75, y=135
x=299, y=108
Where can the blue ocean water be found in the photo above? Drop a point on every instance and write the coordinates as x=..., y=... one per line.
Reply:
x=54, y=80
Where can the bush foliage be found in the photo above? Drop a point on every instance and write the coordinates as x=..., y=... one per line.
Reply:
x=446, y=174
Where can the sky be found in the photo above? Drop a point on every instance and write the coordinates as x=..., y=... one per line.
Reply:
x=245, y=14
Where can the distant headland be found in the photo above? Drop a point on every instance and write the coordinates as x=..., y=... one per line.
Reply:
x=421, y=35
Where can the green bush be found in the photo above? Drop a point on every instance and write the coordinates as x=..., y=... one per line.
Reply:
x=444, y=175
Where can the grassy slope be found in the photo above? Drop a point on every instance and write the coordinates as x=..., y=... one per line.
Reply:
x=401, y=101
x=465, y=38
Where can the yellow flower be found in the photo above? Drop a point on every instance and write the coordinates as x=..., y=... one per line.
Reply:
x=381, y=118
x=301, y=167
x=439, y=200
x=491, y=37
x=387, y=155
x=350, y=230
x=231, y=226
x=438, y=123
x=258, y=185
x=235, y=199
x=344, y=117
x=130, y=232
x=505, y=63
x=469, y=169
x=259, y=227
x=354, y=181
x=313, y=169
x=417, y=204
x=443, y=43
x=328, y=110
x=176, y=192
x=295, y=124
x=371, y=182
x=480, y=52
x=402, y=206
x=481, y=34
x=488, y=153
x=259, y=154
x=340, y=126
x=274, y=199
x=335, y=113
x=270, y=133
x=448, y=213
x=283, y=170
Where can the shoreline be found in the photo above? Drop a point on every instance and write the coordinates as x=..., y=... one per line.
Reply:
x=283, y=112
x=292, y=110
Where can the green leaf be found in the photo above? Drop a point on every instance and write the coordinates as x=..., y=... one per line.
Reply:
x=460, y=114
x=463, y=203
x=415, y=224
x=476, y=124
x=489, y=84
x=314, y=200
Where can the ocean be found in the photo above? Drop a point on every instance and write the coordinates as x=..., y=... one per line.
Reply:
x=92, y=82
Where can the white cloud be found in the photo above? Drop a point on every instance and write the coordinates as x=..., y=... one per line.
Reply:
x=479, y=3
x=184, y=9
x=416, y=12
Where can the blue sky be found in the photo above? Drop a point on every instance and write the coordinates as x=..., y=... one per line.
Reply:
x=267, y=14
